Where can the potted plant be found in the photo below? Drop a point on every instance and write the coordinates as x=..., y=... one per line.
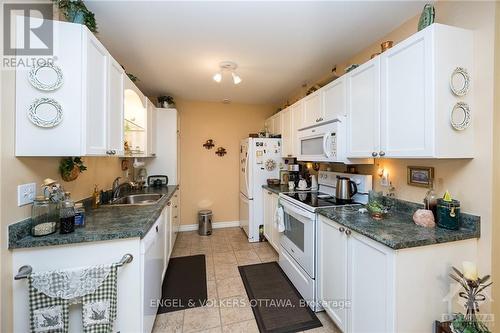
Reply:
x=166, y=101
x=71, y=167
x=75, y=11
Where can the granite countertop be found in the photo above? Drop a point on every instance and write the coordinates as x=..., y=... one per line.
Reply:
x=276, y=188
x=397, y=230
x=104, y=223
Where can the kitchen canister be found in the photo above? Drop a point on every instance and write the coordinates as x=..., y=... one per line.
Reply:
x=448, y=214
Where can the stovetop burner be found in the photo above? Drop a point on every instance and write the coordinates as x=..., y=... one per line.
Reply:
x=316, y=199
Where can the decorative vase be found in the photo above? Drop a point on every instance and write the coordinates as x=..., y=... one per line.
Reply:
x=76, y=16
x=69, y=177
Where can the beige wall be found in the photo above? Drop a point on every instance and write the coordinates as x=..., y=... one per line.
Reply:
x=15, y=171
x=207, y=180
x=496, y=175
x=470, y=181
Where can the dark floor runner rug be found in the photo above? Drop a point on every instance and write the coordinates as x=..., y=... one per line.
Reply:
x=277, y=305
x=185, y=284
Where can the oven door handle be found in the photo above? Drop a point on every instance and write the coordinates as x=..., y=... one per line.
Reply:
x=296, y=210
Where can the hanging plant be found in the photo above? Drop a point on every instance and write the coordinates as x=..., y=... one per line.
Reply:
x=75, y=11
x=71, y=167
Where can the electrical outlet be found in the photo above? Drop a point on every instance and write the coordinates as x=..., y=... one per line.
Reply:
x=26, y=194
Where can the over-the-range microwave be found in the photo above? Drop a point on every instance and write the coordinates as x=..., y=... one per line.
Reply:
x=320, y=143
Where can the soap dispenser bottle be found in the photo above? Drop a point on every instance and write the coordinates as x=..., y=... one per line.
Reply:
x=96, y=198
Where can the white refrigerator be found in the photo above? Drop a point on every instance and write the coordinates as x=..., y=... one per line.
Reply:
x=260, y=159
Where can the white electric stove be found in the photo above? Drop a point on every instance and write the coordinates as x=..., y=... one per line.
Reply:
x=298, y=241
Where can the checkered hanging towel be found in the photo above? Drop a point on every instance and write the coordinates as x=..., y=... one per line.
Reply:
x=51, y=293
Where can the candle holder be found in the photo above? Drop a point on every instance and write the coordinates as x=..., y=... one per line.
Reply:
x=472, y=296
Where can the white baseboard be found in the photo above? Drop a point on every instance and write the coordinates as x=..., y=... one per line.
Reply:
x=215, y=225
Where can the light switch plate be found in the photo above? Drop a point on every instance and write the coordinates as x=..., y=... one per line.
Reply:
x=26, y=194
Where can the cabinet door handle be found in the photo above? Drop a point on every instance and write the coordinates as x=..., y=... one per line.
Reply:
x=382, y=153
x=169, y=203
x=270, y=193
x=175, y=216
x=175, y=206
x=156, y=228
x=374, y=154
x=348, y=232
x=341, y=229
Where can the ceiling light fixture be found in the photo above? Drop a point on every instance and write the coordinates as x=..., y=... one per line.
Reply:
x=227, y=66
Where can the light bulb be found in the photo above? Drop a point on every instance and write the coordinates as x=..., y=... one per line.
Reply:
x=217, y=77
x=236, y=78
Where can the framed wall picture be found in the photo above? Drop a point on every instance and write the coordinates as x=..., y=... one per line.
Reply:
x=284, y=177
x=420, y=176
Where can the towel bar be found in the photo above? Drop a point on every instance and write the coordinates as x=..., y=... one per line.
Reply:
x=25, y=271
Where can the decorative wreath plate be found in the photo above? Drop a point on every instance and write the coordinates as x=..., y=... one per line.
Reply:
x=51, y=116
x=460, y=81
x=38, y=82
x=460, y=116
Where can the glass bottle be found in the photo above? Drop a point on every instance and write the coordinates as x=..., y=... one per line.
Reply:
x=67, y=215
x=430, y=200
x=43, y=217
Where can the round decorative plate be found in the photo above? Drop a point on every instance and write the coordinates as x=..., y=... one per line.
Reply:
x=270, y=165
x=46, y=77
x=460, y=117
x=460, y=81
x=45, y=112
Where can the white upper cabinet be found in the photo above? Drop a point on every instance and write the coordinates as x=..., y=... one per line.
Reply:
x=96, y=71
x=136, y=119
x=287, y=133
x=334, y=100
x=416, y=97
x=73, y=118
x=297, y=110
x=115, y=107
x=151, y=129
x=277, y=123
x=363, y=110
x=402, y=108
x=313, y=109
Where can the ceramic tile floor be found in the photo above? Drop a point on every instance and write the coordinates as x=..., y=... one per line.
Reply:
x=224, y=250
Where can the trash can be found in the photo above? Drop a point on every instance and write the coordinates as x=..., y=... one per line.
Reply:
x=205, y=222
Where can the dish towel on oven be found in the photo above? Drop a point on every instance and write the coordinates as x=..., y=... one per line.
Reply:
x=51, y=293
x=280, y=219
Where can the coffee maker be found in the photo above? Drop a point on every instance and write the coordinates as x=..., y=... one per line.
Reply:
x=294, y=173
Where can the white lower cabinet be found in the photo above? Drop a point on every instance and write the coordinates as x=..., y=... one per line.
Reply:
x=365, y=286
x=139, y=282
x=271, y=232
x=353, y=279
x=332, y=268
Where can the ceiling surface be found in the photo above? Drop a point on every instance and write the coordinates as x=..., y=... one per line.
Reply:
x=176, y=47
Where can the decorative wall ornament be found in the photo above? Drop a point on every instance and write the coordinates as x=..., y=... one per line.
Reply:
x=460, y=81
x=460, y=117
x=270, y=165
x=209, y=144
x=45, y=112
x=221, y=151
x=47, y=76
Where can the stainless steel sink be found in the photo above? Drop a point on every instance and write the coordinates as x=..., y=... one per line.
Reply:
x=138, y=199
